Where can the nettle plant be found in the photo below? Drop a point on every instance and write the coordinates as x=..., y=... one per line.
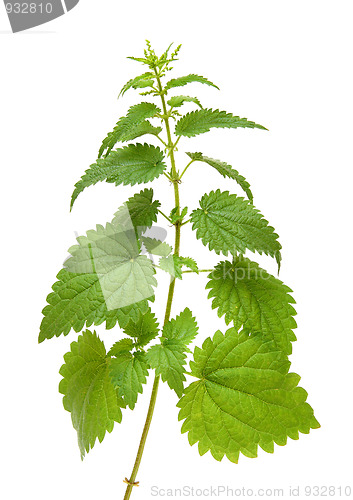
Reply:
x=243, y=395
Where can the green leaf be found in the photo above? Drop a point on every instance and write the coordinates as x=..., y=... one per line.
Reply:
x=132, y=164
x=228, y=223
x=113, y=252
x=123, y=346
x=183, y=328
x=190, y=263
x=128, y=372
x=143, y=211
x=77, y=300
x=141, y=81
x=139, y=59
x=250, y=297
x=176, y=215
x=245, y=398
x=131, y=126
x=153, y=61
x=169, y=357
x=143, y=330
x=171, y=265
x=225, y=170
x=88, y=392
x=184, y=80
x=202, y=120
x=105, y=279
x=143, y=128
x=178, y=100
x=132, y=312
x=156, y=247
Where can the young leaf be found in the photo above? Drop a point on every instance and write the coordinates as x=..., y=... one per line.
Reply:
x=228, y=223
x=178, y=100
x=250, y=297
x=177, y=217
x=168, y=357
x=131, y=126
x=139, y=59
x=123, y=346
x=141, y=81
x=173, y=265
x=132, y=164
x=245, y=398
x=144, y=329
x=225, y=170
x=143, y=211
x=183, y=328
x=128, y=372
x=184, y=80
x=153, y=61
x=77, y=300
x=156, y=247
x=190, y=263
x=202, y=120
x=88, y=392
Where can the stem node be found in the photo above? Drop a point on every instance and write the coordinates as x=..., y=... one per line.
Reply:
x=135, y=483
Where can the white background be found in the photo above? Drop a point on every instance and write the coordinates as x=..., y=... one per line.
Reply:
x=286, y=65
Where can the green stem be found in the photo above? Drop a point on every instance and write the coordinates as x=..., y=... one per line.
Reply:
x=190, y=374
x=168, y=177
x=171, y=147
x=176, y=142
x=185, y=169
x=200, y=271
x=132, y=481
x=160, y=138
x=164, y=215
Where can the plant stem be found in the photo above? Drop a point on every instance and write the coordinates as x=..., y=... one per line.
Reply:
x=160, y=138
x=185, y=169
x=167, y=176
x=200, y=271
x=131, y=482
x=191, y=374
x=164, y=215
